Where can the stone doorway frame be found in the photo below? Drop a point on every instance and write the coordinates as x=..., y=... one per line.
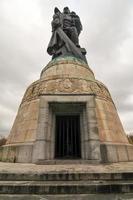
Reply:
x=67, y=108
x=43, y=149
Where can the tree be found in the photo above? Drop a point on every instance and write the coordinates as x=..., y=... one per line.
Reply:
x=130, y=137
x=2, y=140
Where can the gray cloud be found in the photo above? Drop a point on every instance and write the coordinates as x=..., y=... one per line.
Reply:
x=24, y=35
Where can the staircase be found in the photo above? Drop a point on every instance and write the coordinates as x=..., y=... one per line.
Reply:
x=68, y=186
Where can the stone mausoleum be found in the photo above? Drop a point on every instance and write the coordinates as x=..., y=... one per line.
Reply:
x=67, y=116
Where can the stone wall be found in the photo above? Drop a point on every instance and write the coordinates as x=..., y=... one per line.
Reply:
x=109, y=124
x=67, y=80
x=25, y=125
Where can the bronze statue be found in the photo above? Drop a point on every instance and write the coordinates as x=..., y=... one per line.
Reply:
x=66, y=27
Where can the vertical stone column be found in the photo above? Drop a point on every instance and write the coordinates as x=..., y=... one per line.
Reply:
x=92, y=142
x=52, y=150
x=84, y=133
x=40, y=146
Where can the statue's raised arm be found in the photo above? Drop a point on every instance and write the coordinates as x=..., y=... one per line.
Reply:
x=66, y=27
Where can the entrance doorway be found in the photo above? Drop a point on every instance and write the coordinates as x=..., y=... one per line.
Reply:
x=67, y=137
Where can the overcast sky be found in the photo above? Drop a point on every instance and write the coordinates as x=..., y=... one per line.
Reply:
x=25, y=30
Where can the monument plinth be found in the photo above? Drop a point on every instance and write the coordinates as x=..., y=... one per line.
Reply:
x=67, y=116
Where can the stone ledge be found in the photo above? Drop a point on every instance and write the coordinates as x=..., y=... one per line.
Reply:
x=122, y=167
x=68, y=187
x=66, y=176
x=64, y=162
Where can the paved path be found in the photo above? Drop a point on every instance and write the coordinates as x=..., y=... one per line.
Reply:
x=69, y=197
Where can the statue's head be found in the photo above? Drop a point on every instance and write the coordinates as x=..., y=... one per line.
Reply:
x=66, y=10
x=56, y=10
x=73, y=13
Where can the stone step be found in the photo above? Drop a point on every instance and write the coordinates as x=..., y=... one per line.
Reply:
x=69, y=197
x=67, y=162
x=69, y=187
x=63, y=176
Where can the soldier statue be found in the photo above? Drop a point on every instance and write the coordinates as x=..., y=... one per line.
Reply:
x=66, y=27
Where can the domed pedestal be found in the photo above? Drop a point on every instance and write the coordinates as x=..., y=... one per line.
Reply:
x=67, y=116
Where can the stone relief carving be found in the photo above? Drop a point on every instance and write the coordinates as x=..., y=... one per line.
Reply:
x=66, y=86
x=31, y=92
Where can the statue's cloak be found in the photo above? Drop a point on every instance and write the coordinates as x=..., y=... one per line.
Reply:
x=53, y=44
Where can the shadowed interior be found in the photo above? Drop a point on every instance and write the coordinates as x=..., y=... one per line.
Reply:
x=67, y=137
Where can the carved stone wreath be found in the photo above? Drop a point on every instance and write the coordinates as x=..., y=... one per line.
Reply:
x=66, y=86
